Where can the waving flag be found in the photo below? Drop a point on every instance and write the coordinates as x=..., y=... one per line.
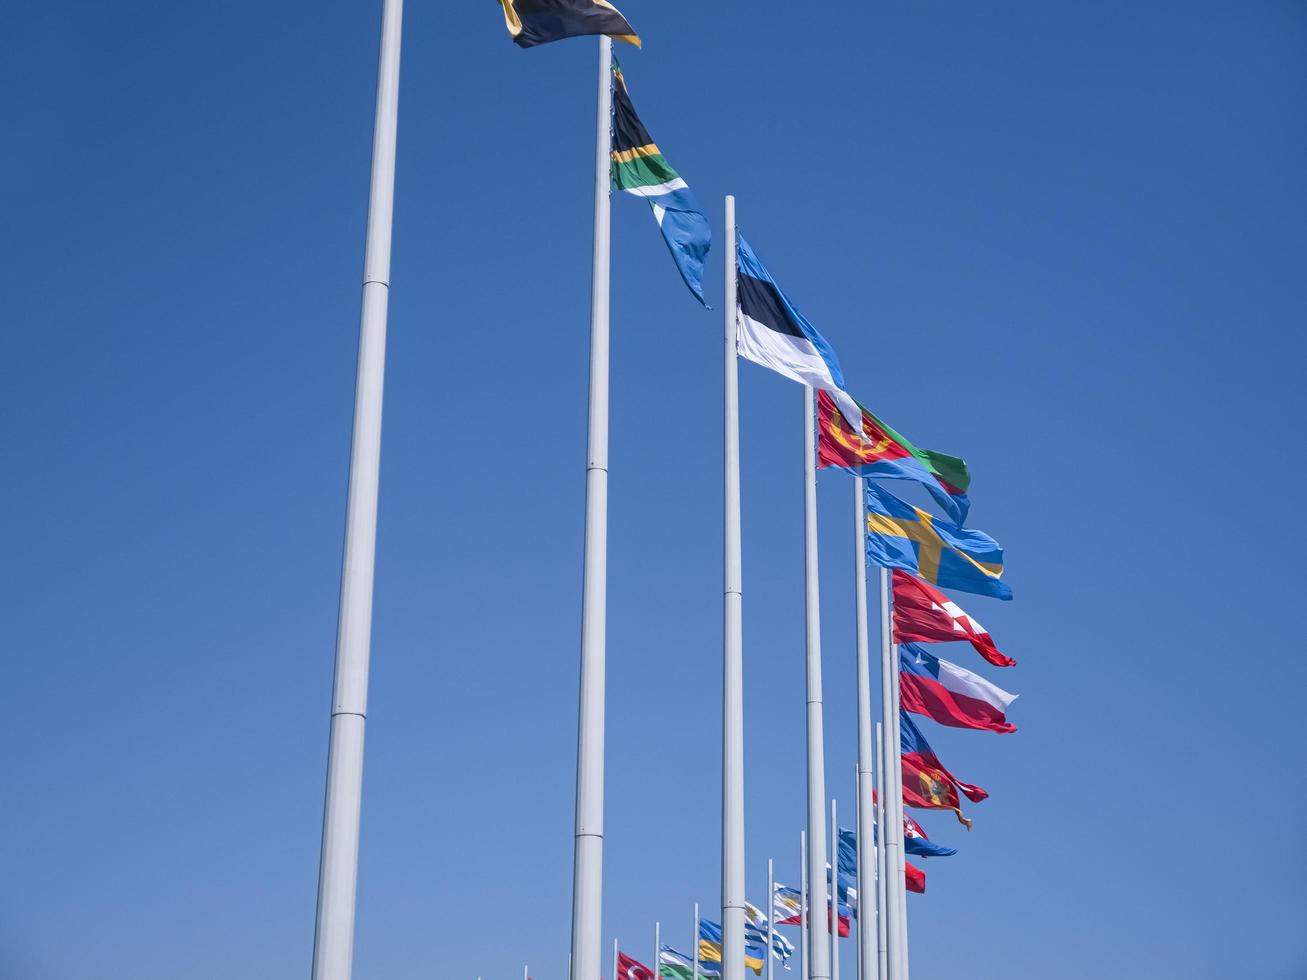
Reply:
x=926, y=783
x=916, y=842
x=532, y=22
x=755, y=936
x=787, y=905
x=776, y=335
x=673, y=965
x=923, y=614
x=950, y=694
x=914, y=878
x=875, y=450
x=640, y=168
x=629, y=968
x=710, y=949
x=902, y=536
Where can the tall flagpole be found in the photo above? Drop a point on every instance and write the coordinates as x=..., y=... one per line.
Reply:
x=771, y=917
x=333, y=938
x=658, y=950
x=614, y=958
x=893, y=771
x=834, y=895
x=732, y=643
x=818, y=947
x=866, y=836
x=588, y=856
x=882, y=873
x=803, y=903
x=696, y=942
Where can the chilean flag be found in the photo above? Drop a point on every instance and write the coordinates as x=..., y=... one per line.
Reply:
x=926, y=783
x=916, y=842
x=950, y=694
x=924, y=614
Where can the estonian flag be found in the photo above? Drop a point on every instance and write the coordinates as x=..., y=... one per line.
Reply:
x=532, y=22
x=777, y=336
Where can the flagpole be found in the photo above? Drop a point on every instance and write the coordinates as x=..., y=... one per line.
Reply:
x=696, y=942
x=771, y=916
x=614, y=958
x=834, y=895
x=893, y=772
x=818, y=949
x=803, y=902
x=732, y=642
x=658, y=950
x=866, y=836
x=882, y=873
x=862, y=902
x=333, y=938
x=588, y=856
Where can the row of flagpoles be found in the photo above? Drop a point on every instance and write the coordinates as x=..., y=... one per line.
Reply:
x=760, y=324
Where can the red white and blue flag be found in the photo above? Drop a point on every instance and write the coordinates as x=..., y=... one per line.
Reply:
x=916, y=842
x=926, y=783
x=950, y=694
x=923, y=614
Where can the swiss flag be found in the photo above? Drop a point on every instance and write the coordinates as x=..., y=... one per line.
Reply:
x=923, y=614
x=631, y=969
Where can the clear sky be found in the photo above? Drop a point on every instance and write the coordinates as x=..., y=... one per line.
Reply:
x=1065, y=241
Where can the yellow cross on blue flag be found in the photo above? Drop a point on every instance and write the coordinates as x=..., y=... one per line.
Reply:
x=902, y=536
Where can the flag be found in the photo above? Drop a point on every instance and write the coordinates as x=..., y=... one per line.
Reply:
x=876, y=450
x=639, y=168
x=710, y=948
x=532, y=22
x=776, y=335
x=923, y=614
x=674, y=965
x=629, y=968
x=926, y=783
x=950, y=694
x=914, y=878
x=902, y=536
x=916, y=842
x=787, y=905
x=755, y=936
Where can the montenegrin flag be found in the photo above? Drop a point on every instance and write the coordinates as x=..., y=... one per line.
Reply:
x=876, y=450
x=639, y=168
x=923, y=614
x=916, y=842
x=926, y=783
x=773, y=333
x=950, y=694
x=532, y=22
x=629, y=968
x=902, y=536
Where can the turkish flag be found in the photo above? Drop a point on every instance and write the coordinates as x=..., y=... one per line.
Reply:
x=923, y=614
x=630, y=969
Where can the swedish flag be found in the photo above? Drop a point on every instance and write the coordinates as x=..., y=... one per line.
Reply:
x=902, y=536
x=532, y=22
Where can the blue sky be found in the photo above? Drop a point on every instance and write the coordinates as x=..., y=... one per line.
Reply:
x=1065, y=241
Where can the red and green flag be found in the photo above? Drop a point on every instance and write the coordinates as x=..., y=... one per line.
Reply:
x=880, y=452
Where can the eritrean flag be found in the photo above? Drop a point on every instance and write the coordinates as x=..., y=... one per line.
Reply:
x=883, y=453
x=950, y=694
x=640, y=168
x=532, y=22
x=926, y=783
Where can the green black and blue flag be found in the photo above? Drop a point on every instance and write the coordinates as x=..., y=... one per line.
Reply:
x=532, y=22
x=640, y=168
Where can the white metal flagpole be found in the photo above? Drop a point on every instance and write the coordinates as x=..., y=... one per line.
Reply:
x=866, y=835
x=614, y=958
x=658, y=949
x=818, y=947
x=771, y=916
x=882, y=873
x=893, y=770
x=803, y=903
x=696, y=942
x=834, y=895
x=588, y=857
x=732, y=643
x=333, y=939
